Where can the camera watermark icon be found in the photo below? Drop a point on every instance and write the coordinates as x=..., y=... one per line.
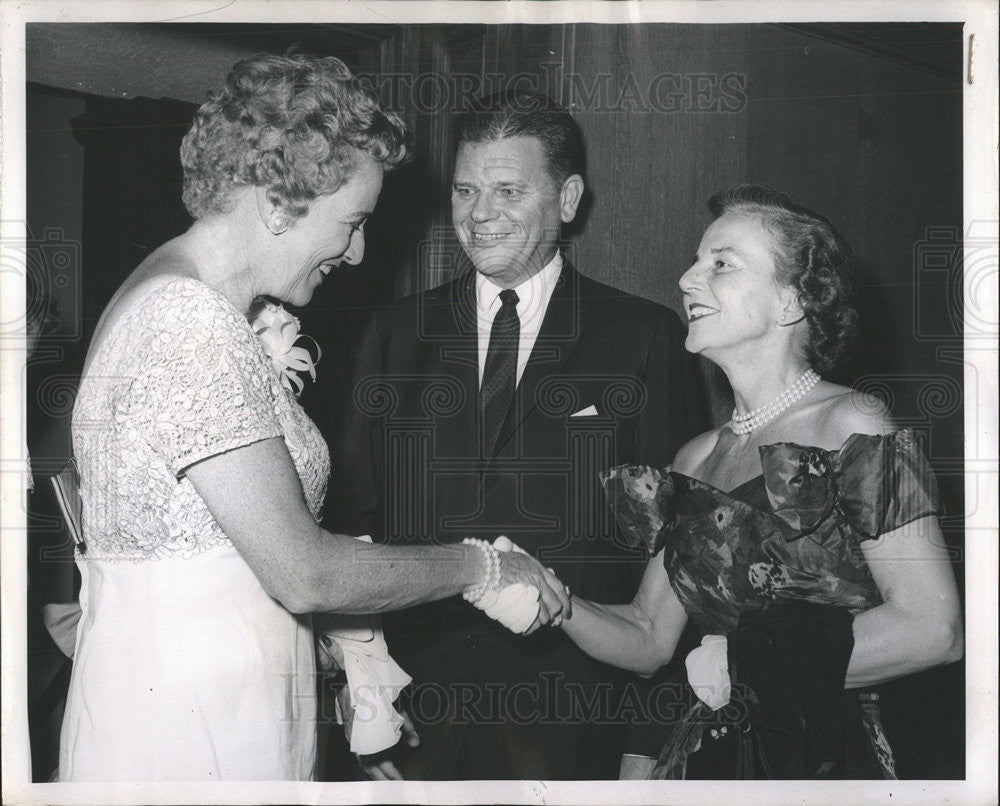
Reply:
x=961, y=274
x=51, y=267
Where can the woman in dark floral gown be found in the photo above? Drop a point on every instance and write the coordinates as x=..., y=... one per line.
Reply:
x=800, y=538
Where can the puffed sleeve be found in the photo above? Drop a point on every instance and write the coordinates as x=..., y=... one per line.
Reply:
x=877, y=483
x=204, y=387
x=885, y=482
x=642, y=500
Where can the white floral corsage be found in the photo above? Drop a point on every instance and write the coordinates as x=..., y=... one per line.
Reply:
x=278, y=331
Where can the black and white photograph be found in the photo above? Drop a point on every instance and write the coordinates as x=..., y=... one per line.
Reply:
x=499, y=402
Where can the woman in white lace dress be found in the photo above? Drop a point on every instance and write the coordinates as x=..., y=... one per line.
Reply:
x=201, y=476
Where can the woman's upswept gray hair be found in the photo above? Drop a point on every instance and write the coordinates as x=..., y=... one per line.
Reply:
x=811, y=257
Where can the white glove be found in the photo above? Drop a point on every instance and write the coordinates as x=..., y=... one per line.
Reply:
x=61, y=620
x=708, y=671
x=516, y=605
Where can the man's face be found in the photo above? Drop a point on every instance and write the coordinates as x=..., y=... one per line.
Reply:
x=507, y=210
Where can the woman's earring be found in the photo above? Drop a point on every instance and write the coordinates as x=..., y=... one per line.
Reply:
x=277, y=223
x=783, y=320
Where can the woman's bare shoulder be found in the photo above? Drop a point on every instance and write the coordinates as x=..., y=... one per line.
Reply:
x=162, y=267
x=694, y=452
x=844, y=411
x=156, y=272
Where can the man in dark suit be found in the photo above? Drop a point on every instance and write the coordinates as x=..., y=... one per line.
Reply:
x=478, y=412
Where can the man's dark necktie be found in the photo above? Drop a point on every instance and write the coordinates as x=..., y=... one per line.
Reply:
x=500, y=370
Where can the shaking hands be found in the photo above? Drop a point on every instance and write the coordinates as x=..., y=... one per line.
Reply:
x=517, y=590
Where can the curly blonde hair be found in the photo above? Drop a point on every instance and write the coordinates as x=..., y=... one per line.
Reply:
x=295, y=125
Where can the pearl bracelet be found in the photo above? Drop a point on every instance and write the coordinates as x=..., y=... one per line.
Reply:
x=491, y=581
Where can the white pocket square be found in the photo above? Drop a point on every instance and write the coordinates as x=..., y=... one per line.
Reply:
x=590, y=411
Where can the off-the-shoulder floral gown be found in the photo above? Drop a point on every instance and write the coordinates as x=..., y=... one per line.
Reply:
x=792, y=534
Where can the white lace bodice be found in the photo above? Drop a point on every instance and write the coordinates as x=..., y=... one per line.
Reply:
x=179, y=378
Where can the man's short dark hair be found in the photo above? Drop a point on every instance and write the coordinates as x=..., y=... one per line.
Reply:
x=528, y=114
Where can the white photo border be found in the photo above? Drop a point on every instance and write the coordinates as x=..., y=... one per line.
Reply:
x=980, y=205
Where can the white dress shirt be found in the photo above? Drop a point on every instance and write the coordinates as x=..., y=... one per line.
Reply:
x=533, y=299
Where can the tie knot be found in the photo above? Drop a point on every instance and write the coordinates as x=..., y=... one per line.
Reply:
x=509, y=297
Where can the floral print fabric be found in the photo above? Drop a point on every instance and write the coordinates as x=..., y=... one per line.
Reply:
x=793, y=533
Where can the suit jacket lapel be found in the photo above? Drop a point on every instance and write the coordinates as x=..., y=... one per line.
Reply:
x=451, y=329
x=556, y=341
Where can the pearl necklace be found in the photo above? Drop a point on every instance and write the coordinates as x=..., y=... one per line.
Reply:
x=745, y=423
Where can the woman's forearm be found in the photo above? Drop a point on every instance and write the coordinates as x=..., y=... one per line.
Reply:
x=351, y=576
x=620, y=635
x=640, y=636
x=919, y=624
x=255, y=496
x=890, y=643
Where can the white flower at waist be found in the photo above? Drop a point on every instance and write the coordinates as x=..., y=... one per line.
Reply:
x=708, y=671
x=278, y=331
